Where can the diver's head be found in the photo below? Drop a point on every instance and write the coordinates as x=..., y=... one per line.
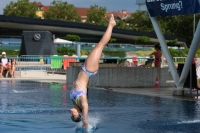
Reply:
x=75, y=114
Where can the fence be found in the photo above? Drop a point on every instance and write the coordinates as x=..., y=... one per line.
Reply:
x=60, y=63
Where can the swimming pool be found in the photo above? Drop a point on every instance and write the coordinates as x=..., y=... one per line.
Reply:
x=36, y=107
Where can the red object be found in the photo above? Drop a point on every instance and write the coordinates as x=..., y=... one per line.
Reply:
x=67, y=60
x=157, y=84
x=134, y=59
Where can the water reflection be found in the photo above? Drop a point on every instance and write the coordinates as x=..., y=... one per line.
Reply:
x=190, y=109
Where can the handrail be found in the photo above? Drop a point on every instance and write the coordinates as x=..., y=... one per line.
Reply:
x=45, y=57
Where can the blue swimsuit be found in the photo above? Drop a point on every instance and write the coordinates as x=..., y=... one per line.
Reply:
x=75, y=94
x=90, y=74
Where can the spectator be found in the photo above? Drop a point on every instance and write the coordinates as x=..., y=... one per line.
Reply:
x=195, y=61
x=128, y=64
x=6, y=65
x=157, y=56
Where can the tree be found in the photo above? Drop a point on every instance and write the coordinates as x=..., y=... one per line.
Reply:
x=181, y=26
x=143, y=39
x=21, y=8
x=121, y=24
x=59, y=10
x=96, y=15
x=172, y=42
x=140, y=21
x=72, y=37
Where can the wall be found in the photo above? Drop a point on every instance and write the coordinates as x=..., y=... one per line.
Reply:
x=125, y=77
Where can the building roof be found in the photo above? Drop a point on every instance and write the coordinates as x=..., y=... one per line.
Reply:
x=13, y=22
x=119, y=14
x=82, y=11
x=44, y=8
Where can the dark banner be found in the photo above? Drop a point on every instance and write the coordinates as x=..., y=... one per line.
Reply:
x=172, y=7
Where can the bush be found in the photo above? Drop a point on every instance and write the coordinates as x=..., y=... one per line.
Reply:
x=10, y=52
x=114, y=53
x=143, y=53
x=72, y=37
x=85, y=52
x=179, y=52
x=143, y=39
x=65, y=51
x=70, y=52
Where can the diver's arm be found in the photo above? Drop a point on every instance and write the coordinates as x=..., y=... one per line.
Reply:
x=84, y=104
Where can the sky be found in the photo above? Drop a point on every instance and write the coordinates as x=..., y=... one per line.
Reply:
x=111, y=5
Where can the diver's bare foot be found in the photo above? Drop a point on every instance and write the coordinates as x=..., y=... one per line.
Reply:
x=112, y=20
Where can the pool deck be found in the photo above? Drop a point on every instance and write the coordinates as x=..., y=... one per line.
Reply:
x=39, y=76
x=61, y=78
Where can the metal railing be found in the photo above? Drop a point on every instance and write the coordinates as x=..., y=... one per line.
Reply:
x=43, y=62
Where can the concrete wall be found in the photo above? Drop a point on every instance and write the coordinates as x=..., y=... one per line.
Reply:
x=124, y=77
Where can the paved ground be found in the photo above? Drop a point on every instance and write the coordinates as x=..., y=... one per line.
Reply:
x=41, y=76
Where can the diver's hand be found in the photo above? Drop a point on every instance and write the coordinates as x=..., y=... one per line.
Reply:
x=112, y=20
x=85, y=125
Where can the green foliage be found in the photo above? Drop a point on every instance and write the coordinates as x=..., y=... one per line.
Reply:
x=70, y=52
x=140, y=21
x=72, y=37
x=114, y=53
x=198, y=53
x=65, y=51
x=21, y=8
x=121, y=24
x=112, y=40
x=10, y=52
x=178, y=52
x=198, y=81
x=85, y=52
x=143, y=53
x=181, y=25
x=171, y=42
x=96, y=15
x=60, y=10
x=143, y=39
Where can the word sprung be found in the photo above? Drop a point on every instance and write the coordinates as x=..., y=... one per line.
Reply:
x=173, y=6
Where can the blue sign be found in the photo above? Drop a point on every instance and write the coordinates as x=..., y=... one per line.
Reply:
x=172, y=7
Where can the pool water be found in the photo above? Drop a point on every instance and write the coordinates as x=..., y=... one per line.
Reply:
x=35, y=107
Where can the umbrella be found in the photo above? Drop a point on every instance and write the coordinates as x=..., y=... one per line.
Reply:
x=62, y=41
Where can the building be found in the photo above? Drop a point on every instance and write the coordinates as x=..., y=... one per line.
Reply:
x=11, y=29
x=82, y=11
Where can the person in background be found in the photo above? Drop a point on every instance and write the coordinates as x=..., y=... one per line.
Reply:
x=6, y=65
x=157, y=56
x=13, y=67
x=195, y=61
x=128, y=64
